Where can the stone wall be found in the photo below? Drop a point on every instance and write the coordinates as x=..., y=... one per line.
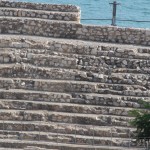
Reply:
x=48, y=7
x=65, y=16
x=63, y=29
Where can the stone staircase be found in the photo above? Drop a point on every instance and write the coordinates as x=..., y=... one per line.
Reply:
x=43, y=11
x=68, y=94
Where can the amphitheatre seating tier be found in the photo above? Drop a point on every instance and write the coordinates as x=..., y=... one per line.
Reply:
x=72, y=92
x=38, y=6
x=41, y=11
x=53, y=96
x=51, y=145
x=52, y=28
x=50, y=15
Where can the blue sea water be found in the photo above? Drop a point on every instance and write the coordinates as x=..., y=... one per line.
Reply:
x=101, y=9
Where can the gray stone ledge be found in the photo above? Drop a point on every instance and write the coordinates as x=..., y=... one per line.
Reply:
x=39, y=6
x=62, y=29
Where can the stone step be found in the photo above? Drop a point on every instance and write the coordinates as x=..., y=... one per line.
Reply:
x=91, y=62
x=24, y=70
x=74, y=98
x=63, y=107
x=50, y=15
x=144, y=51
x=80, y=47
x=129, y=78
x=90, y=119
x=51, y=61
x=59, y=47
x=66, y=128
x=10, y=149
x=48, y=85
x=110, y=70
x=39, y=6
x=73, y=47
x=64, y=138
x=119, y=80
x=106, y=62
x=51, y=28
x=137, y=71
x=32, y=71
x=65, y=62
x=62, y=146
x=72, y=86
x=126, y=92
x=38, y=27
x=36, y=148
x=40, y=60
